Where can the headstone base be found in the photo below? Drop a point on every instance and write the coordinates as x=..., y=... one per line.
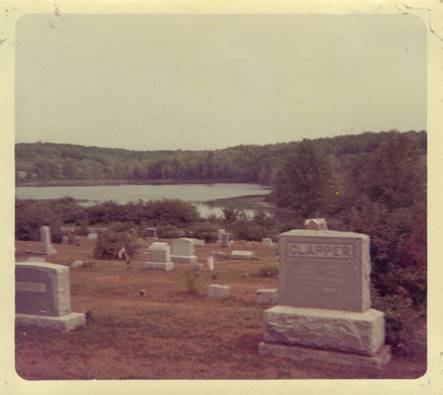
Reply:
x=325, y=357
x=66, y=322
x=165, y=266
x=184, y=258
x=343, y=331
x=216, y=291
x=244, y=255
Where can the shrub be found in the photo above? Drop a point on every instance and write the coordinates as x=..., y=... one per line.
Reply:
x=207, y=232
x=109, y=244
x=191, y=282
x=247, y=230
x=169, y=232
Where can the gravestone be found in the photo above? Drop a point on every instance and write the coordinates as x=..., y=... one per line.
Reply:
x=324, y=311
x=267, y=241
x=183, y=251
x=42, y=296
x=151, y=233
x=47, y=248
x=92, y=236
x=159, y=257
x=65, y=239
x=239, y=254
x=267, y=296
x=216, y=291
x=224, y=240
x=316, y=224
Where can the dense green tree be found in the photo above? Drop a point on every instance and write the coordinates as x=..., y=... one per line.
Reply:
x=304, y=182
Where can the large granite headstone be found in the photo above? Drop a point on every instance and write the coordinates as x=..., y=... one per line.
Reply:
x=324, y=311
x=159, y=257
x=183, y=251
x=47, y=248
x=42, y=296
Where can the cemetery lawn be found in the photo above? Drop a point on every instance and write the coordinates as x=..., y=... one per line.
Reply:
x=172, y=333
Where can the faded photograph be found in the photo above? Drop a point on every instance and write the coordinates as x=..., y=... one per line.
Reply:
x=220, y=197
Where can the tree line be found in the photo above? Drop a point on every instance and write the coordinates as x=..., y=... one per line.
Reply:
x=247, y=163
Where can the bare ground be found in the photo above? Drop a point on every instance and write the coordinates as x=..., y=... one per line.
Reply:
x=171, y=333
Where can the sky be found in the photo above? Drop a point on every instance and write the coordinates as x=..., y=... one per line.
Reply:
x=153, y=82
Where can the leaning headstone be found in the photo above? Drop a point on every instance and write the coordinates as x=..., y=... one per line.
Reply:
x=267, y=241
x=324, y=312
x=183, y=251
x=267, y=296
x=316, y=224
x=159, y=257
x=42, y=296
x=151, y=233
x=92, y=236
x=47, y=248
x=239, y=254
x=216, y=291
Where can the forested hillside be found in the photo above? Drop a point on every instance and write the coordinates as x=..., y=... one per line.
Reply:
x=43, y=162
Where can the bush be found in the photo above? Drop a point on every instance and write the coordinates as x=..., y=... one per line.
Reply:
x=247, y=230
x=207, y=232
x=169, y=232
x=110, y=243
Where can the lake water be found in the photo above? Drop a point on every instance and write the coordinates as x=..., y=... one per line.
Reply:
x=197, y=194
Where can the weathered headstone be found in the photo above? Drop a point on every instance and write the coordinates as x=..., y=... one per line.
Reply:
x=65, y=239
x=151, y=233
x=239, y=254
x=42, y=296
x=47, y=248
x=224, y=240
x=267, y=296
x=324, y=301
x=183, y=251
x=159, y=257
x=267, y=241
x=92, y=236
x=316, y=224
x=216, y=291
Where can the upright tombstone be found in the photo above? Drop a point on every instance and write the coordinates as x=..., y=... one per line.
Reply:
x=42, y=296
x=92, y=236
x=159, y=257
x=324, y=312
x=47, y=248
x=65, y=239
x=151, y=233
x=224, y=240
x=183, y=251
x=267, y=241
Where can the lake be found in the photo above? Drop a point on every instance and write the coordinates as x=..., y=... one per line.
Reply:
x=196, y=194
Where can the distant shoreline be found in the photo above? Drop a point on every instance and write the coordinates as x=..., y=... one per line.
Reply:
x=86, y=183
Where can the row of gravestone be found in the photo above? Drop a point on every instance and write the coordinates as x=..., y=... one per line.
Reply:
x=324, y=309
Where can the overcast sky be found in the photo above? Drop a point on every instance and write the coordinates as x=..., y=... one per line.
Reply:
x=208, y=82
